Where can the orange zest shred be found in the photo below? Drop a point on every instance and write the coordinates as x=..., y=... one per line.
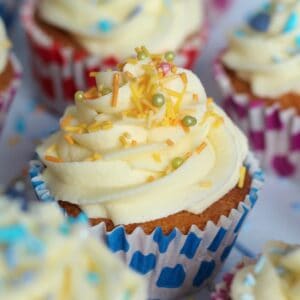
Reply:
x=53, y=159
x=115, y=90
x=195, y=97
x=66, y=121
x=200, y=148
x=91, y=94
x=150, y=178
x=68, y=138
x=169, y=142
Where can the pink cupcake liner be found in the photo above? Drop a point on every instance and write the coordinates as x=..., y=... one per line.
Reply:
x=7, y=96
x=273, y=132
x=61, y=71
x=175, y=264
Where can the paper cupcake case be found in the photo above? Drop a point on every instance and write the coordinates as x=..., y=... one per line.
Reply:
x=8, y=11
x=61, y=71
x=175, y=264
x=273, y=132
x=7, y=95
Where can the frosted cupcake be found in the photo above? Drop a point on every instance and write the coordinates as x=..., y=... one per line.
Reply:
x=44, y=257
x=10, y=74
x=157, y=167
x=259, y=77
x=69, y=39
x=275, y=275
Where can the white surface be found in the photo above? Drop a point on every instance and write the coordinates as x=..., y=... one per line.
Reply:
x=277, y=213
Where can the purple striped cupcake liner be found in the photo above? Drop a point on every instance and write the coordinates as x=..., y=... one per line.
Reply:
x=7, y=96
x=175, y=264
x=273, y=132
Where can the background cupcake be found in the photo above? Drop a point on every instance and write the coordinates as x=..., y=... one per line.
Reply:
x=275, y=275
x=71, y=39
x=161, y=171
x=259, y=76
x=43, y=256
x=10, y=74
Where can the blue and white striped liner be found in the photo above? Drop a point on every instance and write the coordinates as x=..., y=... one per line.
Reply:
x=174, y=264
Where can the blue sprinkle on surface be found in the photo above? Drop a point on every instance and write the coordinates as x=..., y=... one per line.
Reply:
x=93, y=277
x=12, y=234
x=105, y=25
x=292, y=23
x=249, y=280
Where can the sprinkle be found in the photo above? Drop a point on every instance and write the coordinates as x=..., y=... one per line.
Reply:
x=68, y=138
x=132, y=61
x=129, y=75
x=242, y=177
x=260, y=22
x=249, y=280
x=174, y=69
x=291, y=23
x=260, y=264
x=75, y=129
x=91, y=94
x=133, y=143
x=145, y=50
x=106, y=125
x=218, y=122
x=52, y=148
x=187, y=155
x=177, y=162
x=200, y=148
x=205, y=184
x=297, y=41
x=123, y=140
x=93, y=277
x=94, y=157
x=53, y=159
x=105, y=25
x=66, y=121
x=156, y=157
x=209, y=101
x=195, y=97
x=169, y=142
x=12, y=233
x=95, y=126
x=127, y=135
x=150, y=178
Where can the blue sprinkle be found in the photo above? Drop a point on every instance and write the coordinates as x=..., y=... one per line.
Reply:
x=20, y=125
x=260, y=22
x=93, y=277
x=105, y=25
x=249, y=280
x=291, y=23
x=81, y=218
x=65, y=229
x=12, y=234
x=260, y=264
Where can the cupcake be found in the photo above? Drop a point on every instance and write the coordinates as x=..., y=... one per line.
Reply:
x=163, y=174
x=43, y=256
x=275, y=275
x=10, y=74
x=259, y=79
x=70, y=39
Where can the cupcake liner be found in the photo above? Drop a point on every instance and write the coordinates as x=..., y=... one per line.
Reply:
x=175, y=264
x=61, y=71
x=273, y=132
x=7, y=95
x=8, y=11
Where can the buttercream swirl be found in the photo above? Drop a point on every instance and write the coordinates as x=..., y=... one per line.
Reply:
x=145, y=144
x=4, y=47
x=44, y=257
x=116, y=27
x=266, y=51
x=275, y=276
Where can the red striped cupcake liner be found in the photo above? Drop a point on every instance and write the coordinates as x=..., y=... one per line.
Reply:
x=7, y=95
x=273, y=132
x=60, y=71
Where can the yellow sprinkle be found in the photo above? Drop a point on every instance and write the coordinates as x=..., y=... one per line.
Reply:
x=106, y=125
x=68, y=138
x=156, y=157
x=127, y=135
x=94, y=157
x=174, y=69
x=95, y=126
x=135, y=97
x=183, y=78
x=66, y=121
x=187, y=155
x=128, y=75
x=53, y=159
x=169, y=142
x=169, y=78
x=52, y=149
x=115, y=91
x=242, y=177
x=123, y=140
x=150, y=178
x=205, y=184
x=219, y=121
x=209, y=101
x=200, y=147
x=133, y=61
x=170, y=109
x=195, y=97
x=137, y=50
x=74, y=129
x=133, y=143
x=173, y=93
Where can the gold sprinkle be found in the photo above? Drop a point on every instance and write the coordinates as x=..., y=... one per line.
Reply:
x=127, y=135
x=128, y=75
x=187, y=155
x=75, y=129
x=150, y=178
x=94, y=157
x=145, y=50
x=174, y=69
x=195, y=97
x=169, y=142
x=183, y=78
x=206, y=184
x=53, y=159
x=242, y=177
x=66, y=121
x=106, y=125
x=68, y=138
x=91, y=94
x=123, y=141
x=200, y=148
x=133, y=143
x=115, y=91
x=156, y=157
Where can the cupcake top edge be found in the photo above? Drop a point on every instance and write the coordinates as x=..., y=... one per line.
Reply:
x=275, y=275
x=145, y=140
x=117, y=26
x=44, y=256
x=265, y=52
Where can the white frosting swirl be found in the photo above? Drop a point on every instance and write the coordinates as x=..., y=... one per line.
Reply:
x=4, y=47
x=116, y=27
x=42, y=257
x=266, y=51
x=275, y=276
x=133, y=146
